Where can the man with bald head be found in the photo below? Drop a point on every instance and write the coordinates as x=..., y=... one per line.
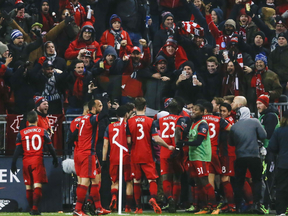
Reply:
x=238, y=101
x=86, y=162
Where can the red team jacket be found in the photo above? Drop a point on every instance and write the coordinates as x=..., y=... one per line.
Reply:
x=116, y=134
x=140, y=129
x=32, y=139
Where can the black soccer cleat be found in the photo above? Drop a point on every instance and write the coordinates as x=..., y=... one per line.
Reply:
x=34, y=212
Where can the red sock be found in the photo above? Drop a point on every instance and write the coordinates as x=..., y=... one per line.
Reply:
x=129, y=200
x=176, y=191
x=81, y=195
x=153, y=189
x=95, y=194
x=167, y=189
x=114, y=193
x=202, y=198
x=195, y=193
x=137, y=194
x=248, y=196
x=29, y=196
x=228, y=191
x=37, y=194
x=211, y=200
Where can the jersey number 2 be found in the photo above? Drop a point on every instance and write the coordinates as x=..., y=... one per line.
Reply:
x=164, y=135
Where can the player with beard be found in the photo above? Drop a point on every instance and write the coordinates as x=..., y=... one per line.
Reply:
x=30, y=141
x=85, y=159
x=227, y=157
x=215, y=124
x=140, y=131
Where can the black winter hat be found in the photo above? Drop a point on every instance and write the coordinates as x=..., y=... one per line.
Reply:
x=261, y=34
x=188, y=63
x=165, y=15
x=283, y=34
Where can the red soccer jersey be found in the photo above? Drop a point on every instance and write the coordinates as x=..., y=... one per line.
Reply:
x=116, y=134
x=141, y=131
x=224, y=148
x=167, y=127
x=32, y=139
x=215, y=123
x=87, y=135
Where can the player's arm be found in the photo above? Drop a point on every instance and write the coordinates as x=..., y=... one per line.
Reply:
x=72, y=137
x=128, y=135
x=225, y=124
x=202, y=134
x=50, y=147
x=181, y=126
x=161, y=142
x=105, y=144
x=18, y=151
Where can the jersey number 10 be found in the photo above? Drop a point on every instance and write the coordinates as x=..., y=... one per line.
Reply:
x=36, y=148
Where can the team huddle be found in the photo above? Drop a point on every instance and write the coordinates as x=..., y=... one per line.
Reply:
x=195, y=142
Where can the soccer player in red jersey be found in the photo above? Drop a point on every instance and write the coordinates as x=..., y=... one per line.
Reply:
x=171, y=168
x=227, y=157
x=85, y=159
x=140, y=130
x=30, y=140
x=215, y=124
x=115, y=135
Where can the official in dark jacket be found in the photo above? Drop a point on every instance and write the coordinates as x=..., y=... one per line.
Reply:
x=278, y=145
x=244, y=135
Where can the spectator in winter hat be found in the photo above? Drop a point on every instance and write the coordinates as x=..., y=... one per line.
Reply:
x=86, y=41
x=278, y=59
x=261, y=81
x=218, y=17
x=174, y=54
x=19, y=49
x=4, y=51
x=257, y=46
x=166, y=29
x=116, y=36
x=45, y=17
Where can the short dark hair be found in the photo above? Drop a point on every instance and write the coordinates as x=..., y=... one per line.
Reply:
x=121, y=111
x=91, y=104
x=76, y=61
x=200, y=106
x=130, y=106
x=228, y=106
x=173, y=107
x=208, y=106
x=140, y=103
x=32, y=116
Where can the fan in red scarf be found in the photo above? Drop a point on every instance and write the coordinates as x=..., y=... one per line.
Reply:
x=256, y=80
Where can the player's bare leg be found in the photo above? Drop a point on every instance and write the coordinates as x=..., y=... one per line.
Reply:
x=137, y=196
x=153, y=194
x=228, y=191
x=211, y=178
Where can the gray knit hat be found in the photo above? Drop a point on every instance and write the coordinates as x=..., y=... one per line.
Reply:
x=231, y=22
x=3, y=48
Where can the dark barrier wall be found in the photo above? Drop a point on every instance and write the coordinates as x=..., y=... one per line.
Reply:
x=12, y=186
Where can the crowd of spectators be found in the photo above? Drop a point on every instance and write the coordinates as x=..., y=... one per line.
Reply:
x=156, y=49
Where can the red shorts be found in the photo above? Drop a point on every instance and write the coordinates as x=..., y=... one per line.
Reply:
x=198, y=168
x=34, y=173
x=215, y=165
x=114, y=172
x=227, y=164
x=149, y=170
x=171, y=166
x=87, y=166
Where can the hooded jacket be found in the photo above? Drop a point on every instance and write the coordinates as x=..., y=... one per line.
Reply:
x=78, y=44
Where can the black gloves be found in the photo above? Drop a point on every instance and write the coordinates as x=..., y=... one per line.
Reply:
x=13, y=168
x=69, y=19
x=55, y=162
x=253, y=10
x=37, y=32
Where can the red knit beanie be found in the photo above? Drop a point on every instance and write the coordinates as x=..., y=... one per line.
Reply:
x=264, y=99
